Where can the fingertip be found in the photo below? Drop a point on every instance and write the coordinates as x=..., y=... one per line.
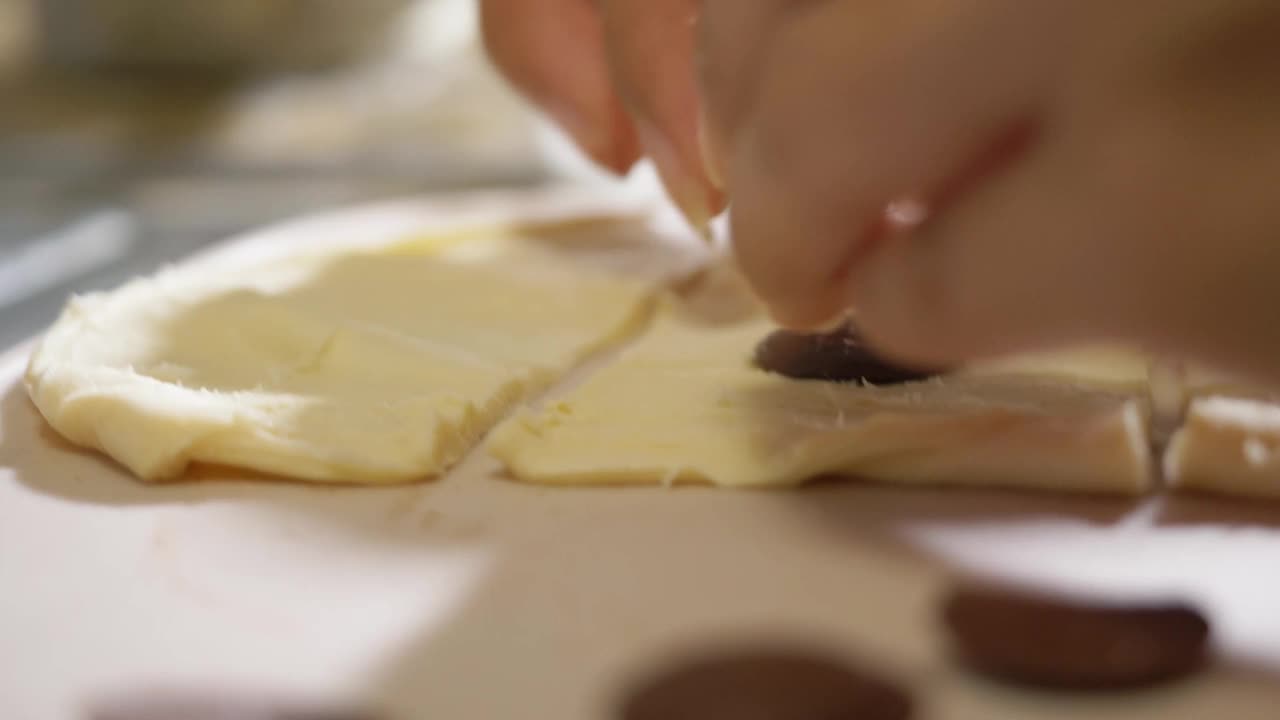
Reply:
x=816, y=311
x=623, y=150
x=808, y=316
x=687, y=185
x=795, y=253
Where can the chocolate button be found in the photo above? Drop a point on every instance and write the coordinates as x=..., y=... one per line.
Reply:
x=838, y=356
x=1033, y=639
x=766, y=685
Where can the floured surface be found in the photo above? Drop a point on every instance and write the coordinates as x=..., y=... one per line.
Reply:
x=366, y=366
x=686, y=405
x=476, y=597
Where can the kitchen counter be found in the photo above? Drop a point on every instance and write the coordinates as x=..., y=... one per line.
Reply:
x=474, y=596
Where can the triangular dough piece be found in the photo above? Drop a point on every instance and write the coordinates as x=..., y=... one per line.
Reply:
x=350, y=367
x=684, y=404
x=1229, y=439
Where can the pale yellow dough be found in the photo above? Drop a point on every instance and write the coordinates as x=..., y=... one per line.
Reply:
x=353, y=367
x=389, y=365
x=685, y=405
x=1229, y=437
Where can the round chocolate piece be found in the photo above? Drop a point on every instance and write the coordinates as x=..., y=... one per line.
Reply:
x=1037, y=640
x=838, y=356
x=765, y=685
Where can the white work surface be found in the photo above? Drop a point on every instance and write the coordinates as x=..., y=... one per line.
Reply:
x=477, y=597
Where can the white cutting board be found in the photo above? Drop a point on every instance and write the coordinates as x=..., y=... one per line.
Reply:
x=476, y=597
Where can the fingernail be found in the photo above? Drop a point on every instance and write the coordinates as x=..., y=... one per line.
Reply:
x=710, y=153
x=685, y=191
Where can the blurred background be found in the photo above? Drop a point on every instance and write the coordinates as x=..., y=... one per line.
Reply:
x=133, y=132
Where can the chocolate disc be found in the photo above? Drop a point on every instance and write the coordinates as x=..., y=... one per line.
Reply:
x=838, y=356
x=768, y=685
x=1033, y=639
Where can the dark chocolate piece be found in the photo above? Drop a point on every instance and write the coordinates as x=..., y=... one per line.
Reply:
x=1034, y=639
x=765, y=685
x=838, y=356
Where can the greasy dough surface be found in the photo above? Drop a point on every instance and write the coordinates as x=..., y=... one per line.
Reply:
x=356, y=367
x=1227, y=439
x=1227, y=445
x=684, y=404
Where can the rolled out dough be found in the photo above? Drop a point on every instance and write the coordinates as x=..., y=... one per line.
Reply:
x=357, y=366
x=685, y=405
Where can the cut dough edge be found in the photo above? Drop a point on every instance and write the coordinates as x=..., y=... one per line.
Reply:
x=682, y=405
x=90, y=391
x=1229, y=439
